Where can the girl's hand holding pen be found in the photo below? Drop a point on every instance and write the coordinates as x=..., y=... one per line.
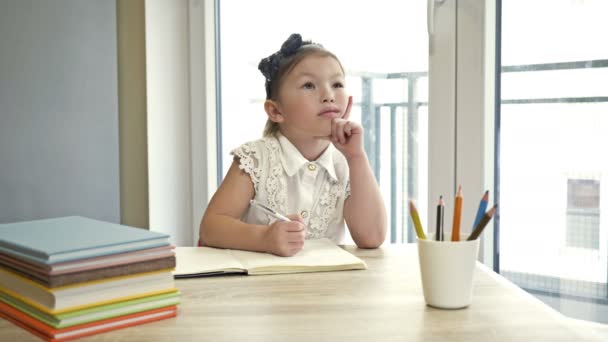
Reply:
x=286, y=238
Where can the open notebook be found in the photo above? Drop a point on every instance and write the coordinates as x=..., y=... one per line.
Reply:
x=316, y=256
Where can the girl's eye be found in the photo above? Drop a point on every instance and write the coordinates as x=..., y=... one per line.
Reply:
x=308, y=85
x=338, y=85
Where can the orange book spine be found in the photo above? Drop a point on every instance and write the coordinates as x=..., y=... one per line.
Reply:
x=26, y=327
x=49, y=333
x=169, y=312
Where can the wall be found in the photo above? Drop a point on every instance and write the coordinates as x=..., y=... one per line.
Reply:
x=169, y=125
x=132, y=108
x=126, y=139
x=58, y=110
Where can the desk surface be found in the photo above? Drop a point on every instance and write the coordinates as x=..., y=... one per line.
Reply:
x=382, y=303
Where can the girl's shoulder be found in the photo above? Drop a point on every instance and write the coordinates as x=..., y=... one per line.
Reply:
x=259, y=148
x=264, y=142
x=254, y=158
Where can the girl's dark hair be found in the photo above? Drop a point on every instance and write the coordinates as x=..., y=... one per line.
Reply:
x=276, y=66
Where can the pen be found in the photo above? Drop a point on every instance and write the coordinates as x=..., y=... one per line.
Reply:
x=268, y=210
x=457, y=215
x=416, y=220
x=482, y=224
x=440, y=210
x=483, y=205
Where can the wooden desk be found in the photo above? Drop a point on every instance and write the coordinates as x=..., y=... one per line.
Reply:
x=383, y=303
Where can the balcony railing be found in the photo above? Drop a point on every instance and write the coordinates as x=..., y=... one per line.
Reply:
x=371, y=116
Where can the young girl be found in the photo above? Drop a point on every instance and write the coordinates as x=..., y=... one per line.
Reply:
x=310, y=164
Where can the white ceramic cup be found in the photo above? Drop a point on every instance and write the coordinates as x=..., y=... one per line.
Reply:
x=447, y=269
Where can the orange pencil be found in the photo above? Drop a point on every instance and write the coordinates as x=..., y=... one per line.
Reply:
x=457, y=214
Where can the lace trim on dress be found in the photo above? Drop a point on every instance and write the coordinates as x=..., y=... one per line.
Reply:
x=325, y=210
x=249, y=162
x=276, y=183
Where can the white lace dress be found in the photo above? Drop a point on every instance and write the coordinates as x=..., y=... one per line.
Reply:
x=287, y=182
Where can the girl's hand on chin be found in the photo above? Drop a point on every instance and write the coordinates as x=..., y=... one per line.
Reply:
x=347, y=136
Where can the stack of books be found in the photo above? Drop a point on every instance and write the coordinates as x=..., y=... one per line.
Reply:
x=71, y=277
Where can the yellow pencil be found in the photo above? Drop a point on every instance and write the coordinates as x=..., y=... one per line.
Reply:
x=416, y=220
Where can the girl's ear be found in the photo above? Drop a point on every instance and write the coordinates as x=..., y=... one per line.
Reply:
x=272, y=109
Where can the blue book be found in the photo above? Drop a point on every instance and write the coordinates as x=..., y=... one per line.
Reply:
x=71, y=238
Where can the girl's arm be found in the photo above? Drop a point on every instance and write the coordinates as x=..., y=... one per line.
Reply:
x=364, y=209
x=222, y=227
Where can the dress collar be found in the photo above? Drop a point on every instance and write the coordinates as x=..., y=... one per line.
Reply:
x=293, y=160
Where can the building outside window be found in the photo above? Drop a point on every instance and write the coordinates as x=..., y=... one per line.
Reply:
x=583, y=214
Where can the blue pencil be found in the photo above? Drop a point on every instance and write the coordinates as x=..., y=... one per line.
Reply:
x=483, y=204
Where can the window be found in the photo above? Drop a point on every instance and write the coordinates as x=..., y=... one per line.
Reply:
x=553, y=131
x=387, y=78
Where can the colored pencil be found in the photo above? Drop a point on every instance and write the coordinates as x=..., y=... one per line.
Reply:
x=439, y=226
x=483, y=205
x=416, y=220
x=482, y=224
x=457, y=215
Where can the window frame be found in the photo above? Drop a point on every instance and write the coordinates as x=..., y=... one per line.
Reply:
x=453, y=115
x=477, y=136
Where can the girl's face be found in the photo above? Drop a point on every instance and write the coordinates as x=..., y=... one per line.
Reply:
x=310, y=96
